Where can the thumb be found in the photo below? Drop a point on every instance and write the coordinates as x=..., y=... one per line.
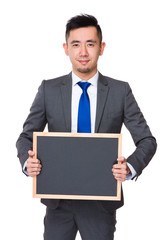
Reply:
x=121, y=160
x=31, y=153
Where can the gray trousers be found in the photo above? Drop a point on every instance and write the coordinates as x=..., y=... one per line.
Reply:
x=89, y=217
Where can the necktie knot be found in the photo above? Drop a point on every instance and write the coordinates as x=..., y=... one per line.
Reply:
x=84, y=85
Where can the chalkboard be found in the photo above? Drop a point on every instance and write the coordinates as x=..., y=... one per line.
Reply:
x=76, y=165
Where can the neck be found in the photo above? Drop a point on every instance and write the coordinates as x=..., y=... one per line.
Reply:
x=85, y=76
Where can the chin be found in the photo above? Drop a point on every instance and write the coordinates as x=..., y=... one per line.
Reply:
x=84, y=70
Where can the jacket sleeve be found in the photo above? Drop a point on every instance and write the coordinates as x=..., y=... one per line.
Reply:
x=35, y=122
x=136, y=124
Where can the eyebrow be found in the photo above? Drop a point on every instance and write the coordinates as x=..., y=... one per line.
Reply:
x=77, y=41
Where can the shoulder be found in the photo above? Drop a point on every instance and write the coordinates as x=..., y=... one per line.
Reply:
x=57, y=81
x=51, y=85
x=115, y=84
x=112, y=81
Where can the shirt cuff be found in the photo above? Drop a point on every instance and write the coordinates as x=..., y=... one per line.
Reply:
x=24, y=168
x=132, y=174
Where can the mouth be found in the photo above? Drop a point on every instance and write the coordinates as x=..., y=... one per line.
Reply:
x=83, y=61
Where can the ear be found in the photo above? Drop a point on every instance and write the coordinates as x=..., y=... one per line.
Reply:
x=103, y=44
x=65, y=46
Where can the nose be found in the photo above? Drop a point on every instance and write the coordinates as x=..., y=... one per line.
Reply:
x=83, y=51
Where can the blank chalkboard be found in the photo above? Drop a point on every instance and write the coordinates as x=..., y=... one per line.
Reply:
x=76, y=165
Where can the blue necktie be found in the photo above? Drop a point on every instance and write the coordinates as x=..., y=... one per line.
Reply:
x=84, y=120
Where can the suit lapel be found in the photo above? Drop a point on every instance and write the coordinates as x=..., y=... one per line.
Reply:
x=102, y=93
x=66, y=93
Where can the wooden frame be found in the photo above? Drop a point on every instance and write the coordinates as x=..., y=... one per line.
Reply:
x=39, y=136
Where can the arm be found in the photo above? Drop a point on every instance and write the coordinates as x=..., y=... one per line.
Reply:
x=144, y=141
x=35, y=121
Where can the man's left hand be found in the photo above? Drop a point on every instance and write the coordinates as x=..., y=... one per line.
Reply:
x=121, y=169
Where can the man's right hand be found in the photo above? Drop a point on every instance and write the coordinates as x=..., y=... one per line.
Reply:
x=33, y=166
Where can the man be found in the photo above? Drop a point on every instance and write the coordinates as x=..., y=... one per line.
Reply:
x=111, y=104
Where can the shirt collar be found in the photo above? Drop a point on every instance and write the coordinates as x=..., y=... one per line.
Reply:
x=93, y=80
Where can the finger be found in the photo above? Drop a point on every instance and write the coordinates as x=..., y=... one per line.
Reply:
x=34, y=167
x=119, y=166
x=119, y=173
x=33, y=160
x=33, y=171
x=120, y=177
x=33, y=174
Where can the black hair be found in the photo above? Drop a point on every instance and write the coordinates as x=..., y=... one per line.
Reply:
x=83, y=20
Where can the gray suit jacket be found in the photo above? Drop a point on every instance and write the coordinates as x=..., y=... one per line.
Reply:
x=115, y=105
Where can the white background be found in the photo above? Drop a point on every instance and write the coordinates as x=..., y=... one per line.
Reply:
x=136, y=34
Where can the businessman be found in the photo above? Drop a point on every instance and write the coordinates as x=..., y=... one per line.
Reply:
x=85, y=101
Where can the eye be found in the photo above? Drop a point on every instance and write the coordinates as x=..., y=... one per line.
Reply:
x=90, y=45
x=75, y=45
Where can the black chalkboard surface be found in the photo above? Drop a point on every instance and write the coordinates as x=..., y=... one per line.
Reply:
x=76, y=166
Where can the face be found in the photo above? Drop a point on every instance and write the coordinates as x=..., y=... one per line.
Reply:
x=83, y=48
